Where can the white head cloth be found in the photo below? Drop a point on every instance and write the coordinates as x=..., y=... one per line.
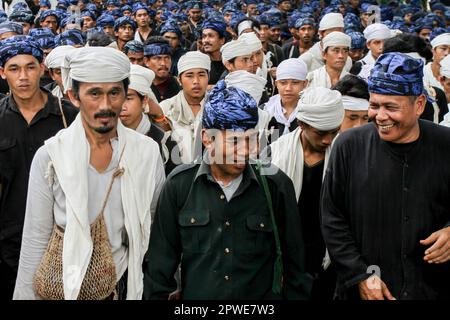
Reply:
x=244, y=25
x=331, y=20
x=445, y=67
x=251, y=83
x=377, y=31
x=193, y=60
x=292, y=69
x=94, y=65
x=336, y=39
x=442, y=39
x=355, y=104
x=141, y=80
x=56, y=57
x=233, y=49
x=321, y=108
x=251, y=40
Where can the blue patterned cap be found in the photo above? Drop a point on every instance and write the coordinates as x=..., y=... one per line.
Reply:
x=70, y=37
x=436, y=32
x=133, y=46
x=71, y=20
x=16, y=45
x=48, y=13
x=171, y=26
x=20, y=6
x=194, y=5
x=124, y=21
x=45, y=3
x=215, y=24
x=22, y=16
x=138, y=6
x=171, y=6
x=304, y=21
x=126, y=8
x=229, y=109
x=395, y=73
x=358, y=40
x=157, y=49
x=105, y=20
x=116, y=13
x=44, y=37
x=10, y=26
x=88, y=13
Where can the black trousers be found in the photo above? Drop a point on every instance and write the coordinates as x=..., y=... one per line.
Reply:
x=7, y=281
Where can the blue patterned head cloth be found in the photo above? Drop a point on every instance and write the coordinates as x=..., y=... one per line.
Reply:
x=436, y=32
x=44, y=37
x=358, y=40
x=303, y=22
x=215, y=24
x=235, y=18
x=92, y=7
x=229, y=109
x=116, y=13
x=124, y=21
x=157, y=49
x=71, y=20
x=171, y=26
x=126, y=8
x=70, y=37
x=16, y=45
x=115, y=3
x=397, y=74
x=194, y=5
x=45, y=3
x=105, y=20
x=133, y=46
x=22, y=16
x=10, y=26
x=438, y=6
x=48, y=13
x=87, y=13
x=21, y=6
x=171, y=6
x=138, y=6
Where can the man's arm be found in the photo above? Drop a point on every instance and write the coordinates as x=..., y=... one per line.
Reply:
x=164, y=252
x=38, y=225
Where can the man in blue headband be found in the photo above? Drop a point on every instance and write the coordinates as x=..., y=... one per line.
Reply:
x=172, y=33
x=9, y=29
x=135, y=52
x=144, y=22
x=213, y=38
x=49, y=19
x=214, y=217
x=24, y=17
x=357, y=46
x=106, y=21
x=28, y=116
x=72, y=37
x=306, y=31
x=390, y=178
x=124, y=30
x=89, y=18
x=194, y=11
x=158, y=57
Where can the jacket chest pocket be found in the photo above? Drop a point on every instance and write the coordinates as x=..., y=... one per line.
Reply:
x=8, y=158
x=195, y=230
x=259, y=234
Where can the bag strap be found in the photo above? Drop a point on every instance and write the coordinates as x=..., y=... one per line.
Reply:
x=278, y=265
x=62, y=113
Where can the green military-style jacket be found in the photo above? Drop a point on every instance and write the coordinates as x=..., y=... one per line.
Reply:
x=226, y=249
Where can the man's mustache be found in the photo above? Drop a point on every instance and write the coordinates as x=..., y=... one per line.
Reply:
x=104, y=114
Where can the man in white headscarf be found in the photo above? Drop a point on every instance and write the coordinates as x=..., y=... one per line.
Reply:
x=236, y=55
x=375, y=35
x=336, y=46
x=92, y=192
x=313, y=58
x=303, y=155
x=431, y=71
x=184, y=111
x=54, y=62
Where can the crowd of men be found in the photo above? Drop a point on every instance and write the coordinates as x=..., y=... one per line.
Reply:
x=240, y=149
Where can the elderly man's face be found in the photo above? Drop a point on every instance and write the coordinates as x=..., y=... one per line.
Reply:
x=160, y=65
x=100, y=104
x=230, y=150
x=336, y=57
x=23, y=73
x=318, y=140
x=396, y=117
x=50, y=22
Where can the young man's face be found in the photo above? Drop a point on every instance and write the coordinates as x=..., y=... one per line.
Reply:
x=56, y=76
x=173, y=39
x=289, y=90
x=109, y=30
x=395, y=117
x=274, y=34
x=132, y=109
x=194, y=82
x=50, y=22
x=336, y=57
x=257, y=60
x=136, y=58
x=160, y=65
x=306, y=33
x=326, y=32
x=125, y=33
x=318, y=140
x=376, y=47
x=23, y=73
x=354, y=119
x=88, y=23
x=142, y=18
x=285, y=6
x=264, y=33
x=440, y=52
x=425, y=33
x=240, y=63
x=26, y=27
x=356, y=54
x=211, y=41
x=251, y=10
x=195, y=14
x=100, y=104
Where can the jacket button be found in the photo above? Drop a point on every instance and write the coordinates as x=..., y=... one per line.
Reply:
x=262, y=225
x=227, y=278
x=227, y=223
x=193, y=220
x=222, y=197
x=227, y=250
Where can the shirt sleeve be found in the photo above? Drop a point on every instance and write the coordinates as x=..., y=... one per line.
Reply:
x=38, y=225
x=351, y=267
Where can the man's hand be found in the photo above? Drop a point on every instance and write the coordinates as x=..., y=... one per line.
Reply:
x=439, y=252
x=374, y=289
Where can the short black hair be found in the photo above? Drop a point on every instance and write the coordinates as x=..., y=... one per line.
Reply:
x=353, y=86
x=76, y=87
x=99, y=39
x=408, y=42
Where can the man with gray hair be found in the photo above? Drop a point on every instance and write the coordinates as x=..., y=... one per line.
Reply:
x=92, y=193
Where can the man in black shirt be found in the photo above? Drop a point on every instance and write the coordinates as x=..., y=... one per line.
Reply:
x=213, y=38
x=28, y=116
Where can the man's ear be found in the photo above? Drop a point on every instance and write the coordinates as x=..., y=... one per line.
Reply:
x=229, y=66
x=206, y=139
x=75, y=101
x=2, y=73
x=421, y=101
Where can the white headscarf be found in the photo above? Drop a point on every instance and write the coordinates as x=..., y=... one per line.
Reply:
x=293, y=68
x=336, y=39
x=248, y=82
x=321, y=108
x=94, y=65
x=331, y=20
x=377, y=31
x=141, y=80
x=251, y=40
x=445, y=67
x=355, y=104
x=442, y=39
x=55, y=58
x=233, y=49
x=192, y=60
